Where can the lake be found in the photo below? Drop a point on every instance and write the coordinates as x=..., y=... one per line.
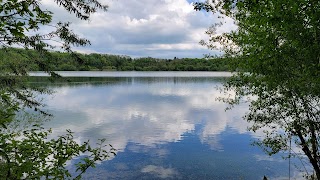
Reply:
x=165, y=125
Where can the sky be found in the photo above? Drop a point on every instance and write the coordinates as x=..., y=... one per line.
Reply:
x=142, y=28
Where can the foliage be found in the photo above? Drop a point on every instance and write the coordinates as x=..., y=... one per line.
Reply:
x=28, y=153
x=59, y=61
x=277, y=49
x=19, y=17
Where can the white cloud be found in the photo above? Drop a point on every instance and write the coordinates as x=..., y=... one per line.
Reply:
x=122, y=116
x=160, y=171
x=157, y=28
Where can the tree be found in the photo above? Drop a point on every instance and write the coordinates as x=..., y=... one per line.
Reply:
x=276, y=48
x=19, y=17
x=26, y=153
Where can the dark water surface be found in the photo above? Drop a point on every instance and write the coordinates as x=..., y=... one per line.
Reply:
x=165, y=125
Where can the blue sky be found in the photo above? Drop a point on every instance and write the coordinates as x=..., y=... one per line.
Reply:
x=140, y=28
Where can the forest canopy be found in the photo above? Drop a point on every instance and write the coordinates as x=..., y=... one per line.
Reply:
x=61, y=61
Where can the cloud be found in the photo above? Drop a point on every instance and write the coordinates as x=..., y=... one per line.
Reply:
x=157, y=28
x=160, y=171
x=147, y=114
x=264, y=157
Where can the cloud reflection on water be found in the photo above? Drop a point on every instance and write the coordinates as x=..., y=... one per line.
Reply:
x=160, y=171
x=149, y=116
x=145, y=114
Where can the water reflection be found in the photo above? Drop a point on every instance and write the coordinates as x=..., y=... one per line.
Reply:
x=163, y=127
x=144, y=113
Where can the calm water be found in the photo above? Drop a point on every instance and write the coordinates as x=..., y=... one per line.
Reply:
x=165, y=125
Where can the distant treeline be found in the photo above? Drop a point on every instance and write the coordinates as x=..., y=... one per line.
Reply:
x=60, y=61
